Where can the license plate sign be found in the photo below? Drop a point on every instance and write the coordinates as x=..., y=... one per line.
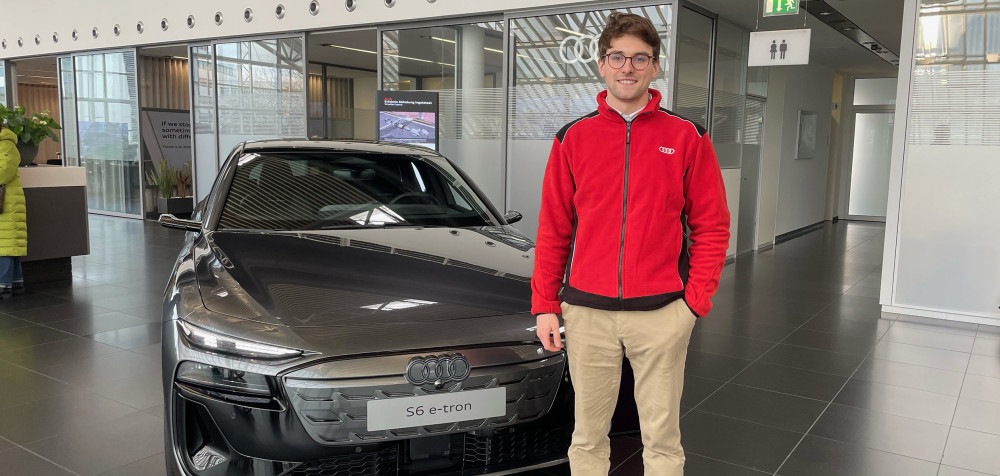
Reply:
x=436, y=409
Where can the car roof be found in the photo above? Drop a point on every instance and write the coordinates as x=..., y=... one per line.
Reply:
x=362, y=146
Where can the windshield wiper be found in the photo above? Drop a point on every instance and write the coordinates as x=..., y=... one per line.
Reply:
x=374, y=225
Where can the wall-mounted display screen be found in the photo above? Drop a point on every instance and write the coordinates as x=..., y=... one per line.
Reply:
x=409, y=117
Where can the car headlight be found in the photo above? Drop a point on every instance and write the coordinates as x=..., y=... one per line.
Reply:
x=223, y=379
x=224, y=344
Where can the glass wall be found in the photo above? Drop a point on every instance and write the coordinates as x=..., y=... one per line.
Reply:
x=463, y=64
x=554, y=80
x=338, y=108
x=261, y=91
x=67, y=111
x=107, y=120
x=729, y=98
x=694, y=63
x=244, y=90
x=206, y=157
x=3, y=82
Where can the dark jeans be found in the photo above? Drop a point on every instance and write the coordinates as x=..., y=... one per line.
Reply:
x=10, y=271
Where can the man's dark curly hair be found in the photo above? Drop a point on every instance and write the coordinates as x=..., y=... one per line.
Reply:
x=621, y=24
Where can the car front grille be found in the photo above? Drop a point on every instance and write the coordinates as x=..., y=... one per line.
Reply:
x=380, y=463
x=481, y=452
x=505, y=447
x=334, y=411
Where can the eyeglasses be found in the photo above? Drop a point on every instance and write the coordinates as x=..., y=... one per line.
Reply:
x=640, y=61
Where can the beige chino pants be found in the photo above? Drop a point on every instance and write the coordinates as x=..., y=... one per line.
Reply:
x=655, y=343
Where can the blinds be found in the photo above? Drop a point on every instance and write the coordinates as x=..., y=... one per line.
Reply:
x=955, y=108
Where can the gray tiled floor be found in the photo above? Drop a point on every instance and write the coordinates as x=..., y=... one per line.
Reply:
x=795, y=372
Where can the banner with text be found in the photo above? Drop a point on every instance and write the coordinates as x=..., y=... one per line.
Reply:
x=167, y=135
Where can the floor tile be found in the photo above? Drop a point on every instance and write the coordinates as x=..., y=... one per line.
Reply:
x=824, y=457
x=60, y=312
x=985, y=365
x=139, y=392
x=981, y=388
x=28, y=336
x=130, y=337
x=82, y=326
x=884, y=432
x=712, y=366
x=625, y=448
x=953, y=471
x=732, y=346
x=697, y=389
x=901, y=401
x=743, y=443
x=30, y=300
x=919, y=355
x=748, y=329
x=792, y=381
x=927, y=338
x=939, y=325
x=833, y=342
x=911, y=376
x=116, y=443
x=9, y=322
x=779, y=410
x=978, y=415
x=986, y=346
x=992, y=332
x=23, y=386
x=51, y=354
x=870, y=328
x=697, y=465
x=5, y=444
x=104, y=369
x=813, y=359
x=18, y=462
x=73, y=410
x=972, y=450
x=152, y=466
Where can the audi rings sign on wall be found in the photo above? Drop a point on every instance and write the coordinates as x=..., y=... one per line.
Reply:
x=438, y=369
x=578, y=49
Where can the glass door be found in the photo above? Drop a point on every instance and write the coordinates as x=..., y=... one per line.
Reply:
x=870, y=160
x=107, y=123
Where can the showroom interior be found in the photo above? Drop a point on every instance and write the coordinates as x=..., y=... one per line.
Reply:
x=856, y=329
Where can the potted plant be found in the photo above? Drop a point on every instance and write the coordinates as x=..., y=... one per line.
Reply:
x=166, y=179
x=30, y=131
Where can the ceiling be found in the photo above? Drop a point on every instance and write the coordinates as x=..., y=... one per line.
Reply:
x=881, y=19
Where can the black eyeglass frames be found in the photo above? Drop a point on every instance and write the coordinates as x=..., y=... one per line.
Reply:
x=640, y=61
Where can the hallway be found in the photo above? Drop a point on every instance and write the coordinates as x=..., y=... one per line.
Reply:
x=795, y=371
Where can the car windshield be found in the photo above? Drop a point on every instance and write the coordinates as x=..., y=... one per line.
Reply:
x=323, y=190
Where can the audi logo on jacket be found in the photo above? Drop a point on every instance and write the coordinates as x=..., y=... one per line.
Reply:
x=615, y=198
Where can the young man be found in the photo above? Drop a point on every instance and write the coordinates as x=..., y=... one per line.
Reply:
x=620, y=185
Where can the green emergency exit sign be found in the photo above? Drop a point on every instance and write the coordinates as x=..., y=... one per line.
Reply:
x=781, y=7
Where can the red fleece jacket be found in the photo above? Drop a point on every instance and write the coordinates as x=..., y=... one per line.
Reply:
x=615, y=199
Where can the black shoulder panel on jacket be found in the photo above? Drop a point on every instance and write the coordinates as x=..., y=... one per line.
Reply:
x=562, y=132
x=701, y=130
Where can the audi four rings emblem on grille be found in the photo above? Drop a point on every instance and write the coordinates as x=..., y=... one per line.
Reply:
x=437, y=369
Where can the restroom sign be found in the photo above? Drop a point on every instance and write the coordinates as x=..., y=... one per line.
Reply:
x=781, y=7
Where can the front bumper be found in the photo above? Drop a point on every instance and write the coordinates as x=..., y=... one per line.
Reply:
x=288, y=439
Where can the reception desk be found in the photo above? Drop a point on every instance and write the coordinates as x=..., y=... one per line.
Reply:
x=58, y=227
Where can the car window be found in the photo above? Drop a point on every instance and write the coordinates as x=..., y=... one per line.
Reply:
x=314, y=190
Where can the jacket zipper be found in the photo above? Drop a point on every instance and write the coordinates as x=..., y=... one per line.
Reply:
x=621, y=248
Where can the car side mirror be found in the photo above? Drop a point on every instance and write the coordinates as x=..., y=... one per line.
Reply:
x=171, y=221
x=513, y=216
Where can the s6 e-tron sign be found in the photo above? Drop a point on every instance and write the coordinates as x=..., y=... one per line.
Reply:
x=408, y=117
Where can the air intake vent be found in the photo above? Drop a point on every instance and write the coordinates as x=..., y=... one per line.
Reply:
x=419, y=255
x=367, y=245
x=481, y=269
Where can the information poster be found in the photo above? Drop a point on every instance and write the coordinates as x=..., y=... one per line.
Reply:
x=408, y=117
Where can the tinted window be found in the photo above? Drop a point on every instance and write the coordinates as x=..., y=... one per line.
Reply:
x=327, y=190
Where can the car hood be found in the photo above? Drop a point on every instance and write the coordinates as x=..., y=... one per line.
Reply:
x=366, y=281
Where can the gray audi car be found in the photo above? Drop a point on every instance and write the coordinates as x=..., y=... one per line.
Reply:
x=351, y=309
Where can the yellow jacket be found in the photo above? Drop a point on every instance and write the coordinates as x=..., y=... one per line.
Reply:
x=13, y=226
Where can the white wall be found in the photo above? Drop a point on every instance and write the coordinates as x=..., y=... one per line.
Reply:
x=795, y=189
x=27, y=19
